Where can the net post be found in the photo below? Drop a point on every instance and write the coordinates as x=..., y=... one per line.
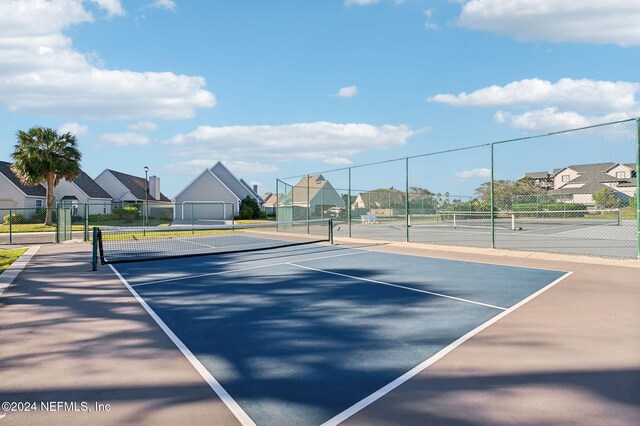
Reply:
x=493, y=228
x=349, y=206
x=10, y=230
x=331, y=230
x=94, y=243
x=406, y=199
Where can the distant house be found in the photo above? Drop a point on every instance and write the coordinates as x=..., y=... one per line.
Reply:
x=15, y=195
x=578, y=183
x=125, y=188
x=270, y=202
x=80, y=191
x=317, y=194
x=358, y=203
x=541, y=179
x=214, y=194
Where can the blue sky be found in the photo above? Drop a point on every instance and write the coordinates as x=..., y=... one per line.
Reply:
x=281, y=88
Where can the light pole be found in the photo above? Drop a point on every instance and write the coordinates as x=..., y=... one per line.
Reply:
x=146, y=197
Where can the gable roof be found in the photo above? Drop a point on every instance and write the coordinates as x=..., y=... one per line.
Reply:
x=89, y=186
x=235, y=185
x=33, y=191
x=254, y=193
x=205, y=171
x=136, y=185
x=317, y=185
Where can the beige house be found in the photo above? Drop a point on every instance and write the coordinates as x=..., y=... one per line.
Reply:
x=578, y=183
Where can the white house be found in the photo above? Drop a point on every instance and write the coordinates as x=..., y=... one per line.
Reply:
x=215, y=194
x=80, y=191
x=15, y=195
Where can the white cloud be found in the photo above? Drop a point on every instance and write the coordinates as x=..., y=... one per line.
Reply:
x=123, y=139
x=189, y=167
x=75, y=129
x=584, y=21
x=359, y=2
x=299, y=141
x=247, y=167
x=551, y=119
x=473, y=174
x=347, y=92
x=143, y=126
x=584, y=94
x=41, y=73
x=113, y=7
x=165, y=4
x=337, y=161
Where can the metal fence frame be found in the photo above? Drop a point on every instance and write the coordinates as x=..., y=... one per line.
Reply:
x=491, y=145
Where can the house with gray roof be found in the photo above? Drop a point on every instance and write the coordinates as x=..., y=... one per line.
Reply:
x=80, y=191
x=126, y=188
x=577, y=183
x=215, y=194
x=15, y=195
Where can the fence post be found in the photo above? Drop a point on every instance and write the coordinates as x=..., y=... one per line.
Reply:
x=10, y=230
x=638, y=186
x=349, y=206
x=308, y=204
x=493, y=228
x=86, y=222
x=406, y=201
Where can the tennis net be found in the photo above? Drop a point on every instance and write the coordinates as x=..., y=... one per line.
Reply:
x=519, y=220
x=135, y=244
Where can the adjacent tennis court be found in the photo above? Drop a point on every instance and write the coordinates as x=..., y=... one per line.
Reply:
x=311, y=334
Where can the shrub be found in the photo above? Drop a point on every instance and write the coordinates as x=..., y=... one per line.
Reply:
x=249, y=209
x=16, y=218
x=104, y=217
x=129, y=213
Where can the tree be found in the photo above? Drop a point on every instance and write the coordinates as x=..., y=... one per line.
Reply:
x=43, y=155
x=606, y=199
x=249, y=209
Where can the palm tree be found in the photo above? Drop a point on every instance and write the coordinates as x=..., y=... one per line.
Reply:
x=43, y=155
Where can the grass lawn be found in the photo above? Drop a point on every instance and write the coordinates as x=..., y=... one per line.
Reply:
x=629, y=212
x=7, y=257
x=34, y=227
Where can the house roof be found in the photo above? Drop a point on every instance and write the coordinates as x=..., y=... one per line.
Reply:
x=90, y=187
x=587, y=188
x=33, y=191
x=136, y=186
x=537, y=175
x=254, y=193
x=69, y=197
x=235, y=185
x=316, y=184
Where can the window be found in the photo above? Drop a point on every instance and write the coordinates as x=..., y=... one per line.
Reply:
x=621, y=175
x=565, y=178
x=38, y=204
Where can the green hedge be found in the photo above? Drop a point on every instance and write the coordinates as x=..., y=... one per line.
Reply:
x=16, y=218
x=551, y=206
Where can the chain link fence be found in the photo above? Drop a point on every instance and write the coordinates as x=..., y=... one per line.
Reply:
x=571, y=192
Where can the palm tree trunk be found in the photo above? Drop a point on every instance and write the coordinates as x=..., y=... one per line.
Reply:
x=47, y=217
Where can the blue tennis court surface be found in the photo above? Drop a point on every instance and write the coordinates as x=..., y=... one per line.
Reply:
x=298, y=335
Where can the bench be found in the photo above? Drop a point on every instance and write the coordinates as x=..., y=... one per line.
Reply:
x=369, y=218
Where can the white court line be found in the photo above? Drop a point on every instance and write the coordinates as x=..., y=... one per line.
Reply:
x=233, y=406
x=459, y=299
x=246, y=269
x=419, y=368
